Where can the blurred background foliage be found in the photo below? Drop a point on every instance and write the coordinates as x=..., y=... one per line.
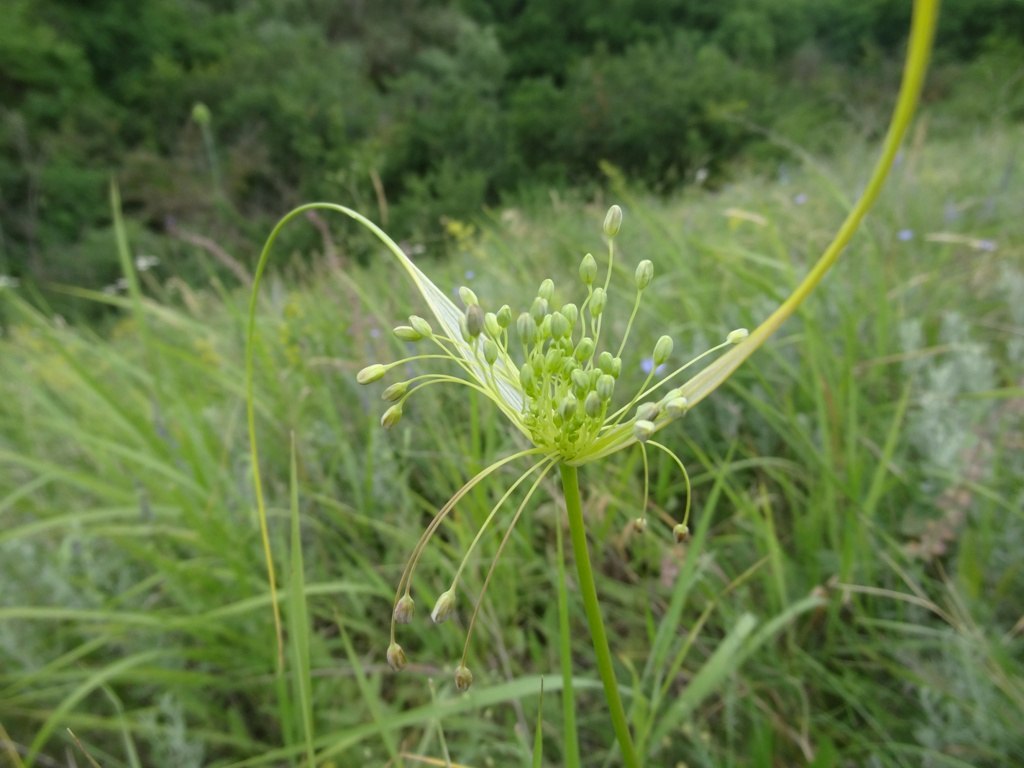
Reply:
x=217, y=116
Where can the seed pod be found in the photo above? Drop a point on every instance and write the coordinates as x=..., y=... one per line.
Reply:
x=491, y=326
x=526, y=328
x=662, y=350
x=444, y=607
x=547, y=289
x=597, y=301
x=572, y=313
x=676, y=407
x=391, y=416
x=468, y=297
x=642, y=430
x=580, y=381
x=567, y=408
x=490, y=351
x=735, y=337
x=647, y=411
x=504, y=316
x=613, y=221
x=371, y=373
x=474, y=320
x=395, y=392
x=403, y=610
x=407, y=333
x=588, y=269
x=644, y=274
x=560, y=325
x=526, y=378
x=396, y=657
x=640, y=525
x=585, y=349
x=539, y=310
x=681, y=532
x=421, y=325
x=463, y=678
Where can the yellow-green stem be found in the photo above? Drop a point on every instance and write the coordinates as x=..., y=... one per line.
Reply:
x=598, y=636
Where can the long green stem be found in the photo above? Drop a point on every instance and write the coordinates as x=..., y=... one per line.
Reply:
x=598, y=637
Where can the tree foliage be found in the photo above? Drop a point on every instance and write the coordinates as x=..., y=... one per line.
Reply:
x=414, y=108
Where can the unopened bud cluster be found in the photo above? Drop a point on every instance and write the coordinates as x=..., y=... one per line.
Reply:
x=552, y=375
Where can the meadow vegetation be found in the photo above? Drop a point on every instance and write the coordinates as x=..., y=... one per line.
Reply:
x=868, y=458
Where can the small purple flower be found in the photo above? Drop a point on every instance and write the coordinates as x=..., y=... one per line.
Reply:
x=470, y=274
x=987, y=245
x=905, y=235
x=800, y=198
x=647, y=365
x=375, y=333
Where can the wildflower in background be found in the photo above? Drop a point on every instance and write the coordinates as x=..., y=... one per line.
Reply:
x=905, y=235
x=145, y=263
x=800, y=198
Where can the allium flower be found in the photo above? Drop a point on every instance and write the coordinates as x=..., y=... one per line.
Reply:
x=554, y=375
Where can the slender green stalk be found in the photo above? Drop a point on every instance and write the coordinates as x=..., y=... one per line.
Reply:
x=571, y=749
x=588, y=590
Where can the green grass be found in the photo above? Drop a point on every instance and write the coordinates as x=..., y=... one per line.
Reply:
x=851, y=595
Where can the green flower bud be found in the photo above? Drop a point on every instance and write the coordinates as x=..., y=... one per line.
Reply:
x=490, y=351
x=588, y=269
x=553, y=359
x=474, y=320
x=681, y=532
x=505, y=316
x=605, y=387
x=539, y=310
x=613, y=221
x=585, y=349
x=547, y=289
x=597, y=301
x=647, y=411
x=544, y=331
x=567, y=408
x=403, y=610
x=391, y=416
x=421, y=325
x=735, y=337
x=616, y=366
x=395, y=391
x=463, y=678
x=580, y=381
x=491, y=326
x=444, y=607
x=644, y=274
x=526, y=328
x=468, y=297
x=572, y=313
x=643, y=429
x=592, y=405
x=371, y=373
x=677, y=406
x=407, y=333
x=605, y=362
x=396, y=657
x=560, y=325
x=662, y=350
x=526, y=378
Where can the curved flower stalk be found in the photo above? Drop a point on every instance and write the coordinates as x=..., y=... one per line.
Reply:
x=555, y=376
